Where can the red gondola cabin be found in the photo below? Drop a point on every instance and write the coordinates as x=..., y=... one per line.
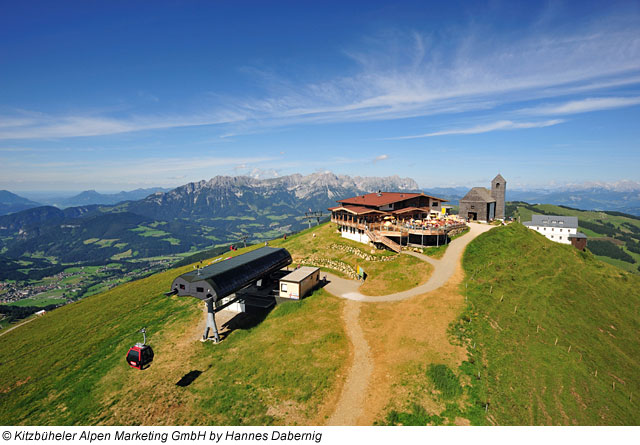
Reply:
x=140, y=356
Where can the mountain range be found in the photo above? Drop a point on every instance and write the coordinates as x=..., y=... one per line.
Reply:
x=621, y=197
x=223, y=210
x=89, y=197
x=12, y=203
x=192, y=217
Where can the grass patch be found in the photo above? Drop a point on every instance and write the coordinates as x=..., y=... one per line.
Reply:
x=553, y=328
x=150, y=231
x=126, y=254
x=438, y=251
x=444, y=381
x=105, y=242
x=404, y=273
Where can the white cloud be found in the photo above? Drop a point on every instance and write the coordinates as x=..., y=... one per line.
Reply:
x=380, y=158
x=584, y=105
x=485, y=128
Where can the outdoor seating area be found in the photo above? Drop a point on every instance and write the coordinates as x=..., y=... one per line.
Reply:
x=391, y=218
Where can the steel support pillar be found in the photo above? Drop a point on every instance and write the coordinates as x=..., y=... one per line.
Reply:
x=211, y=322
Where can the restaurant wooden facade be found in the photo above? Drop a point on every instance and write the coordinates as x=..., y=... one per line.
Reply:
x=393, y=219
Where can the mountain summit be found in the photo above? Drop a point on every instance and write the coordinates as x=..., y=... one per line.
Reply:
x=224, y=196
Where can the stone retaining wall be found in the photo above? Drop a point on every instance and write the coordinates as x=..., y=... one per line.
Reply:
x=360, y=254
x=331, y=264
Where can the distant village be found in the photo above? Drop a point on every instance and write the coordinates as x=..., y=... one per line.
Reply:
x=12, y=292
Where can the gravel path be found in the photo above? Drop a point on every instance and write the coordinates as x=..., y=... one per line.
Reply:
x=350, y=406
x=443, y=269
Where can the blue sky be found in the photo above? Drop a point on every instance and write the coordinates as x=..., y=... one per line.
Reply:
x=119, y=95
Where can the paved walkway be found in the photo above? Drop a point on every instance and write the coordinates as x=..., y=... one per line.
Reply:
x=350, y=406
x=443, y=269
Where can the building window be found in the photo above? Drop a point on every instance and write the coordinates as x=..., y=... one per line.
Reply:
x=182, y=286
x=544, y=228
x=434, y=203
x=561, y=230
x=283, y=287
x=552, y=229
x=497, y=185
x=473, y=207
x=560, y=237
x=551, y=236
x=199, y=289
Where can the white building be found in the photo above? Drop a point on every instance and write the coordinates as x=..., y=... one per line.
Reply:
x=557, y=228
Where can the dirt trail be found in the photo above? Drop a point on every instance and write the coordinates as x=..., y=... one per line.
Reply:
x=350, y=409
x=6, y=331
x=355, y=387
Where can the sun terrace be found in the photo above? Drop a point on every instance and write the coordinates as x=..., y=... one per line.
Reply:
x=395, y=219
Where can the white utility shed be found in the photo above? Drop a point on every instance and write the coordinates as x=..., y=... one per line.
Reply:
x=299, y=282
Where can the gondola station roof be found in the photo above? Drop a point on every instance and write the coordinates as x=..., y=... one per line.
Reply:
x=226, y=277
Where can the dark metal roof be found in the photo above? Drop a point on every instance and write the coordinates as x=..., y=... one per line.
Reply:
x=577, y=235
x=570, y=222
x=228, y=276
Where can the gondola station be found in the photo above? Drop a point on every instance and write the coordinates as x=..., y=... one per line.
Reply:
x=244, y=280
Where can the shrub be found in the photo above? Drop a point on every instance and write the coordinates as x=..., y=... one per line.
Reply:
x=445, y=381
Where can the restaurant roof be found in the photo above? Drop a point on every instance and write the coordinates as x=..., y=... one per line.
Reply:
x=357, y=210
x=384, y=198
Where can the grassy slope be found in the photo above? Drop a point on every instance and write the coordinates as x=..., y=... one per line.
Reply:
x=68, y=367
x=591, y=216
x=383, y=278
x=591, y=308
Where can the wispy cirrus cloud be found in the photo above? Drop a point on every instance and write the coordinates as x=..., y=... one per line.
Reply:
x=52, y=127
x=141, y=171
x=583, y=105
x=408, y=75
x=484, y=128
